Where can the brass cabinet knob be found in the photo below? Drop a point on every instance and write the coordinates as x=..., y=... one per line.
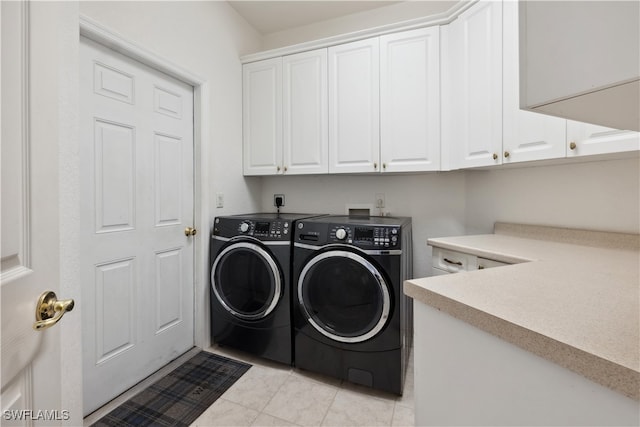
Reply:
x=285, y=168
x=375, y=165
x=189, y=231
x=278, y=169
x=572, y=145
x=384, y=166
x=495, y=156
x=506, y=154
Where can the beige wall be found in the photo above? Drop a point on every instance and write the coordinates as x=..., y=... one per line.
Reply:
x=395, y=13
x=435, y=201
x=207, y=39
x=603, y=195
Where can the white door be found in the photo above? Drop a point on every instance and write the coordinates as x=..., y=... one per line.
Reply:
x=476, y=49
x=136, y=138
x=262, y=117
x=410, y=101
x=354, y=105
x=304, y=112
x=32, y=363
x=527, y=136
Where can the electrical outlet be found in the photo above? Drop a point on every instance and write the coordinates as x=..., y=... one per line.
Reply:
x=380, y=203
x=275, y=199
x=219, y=200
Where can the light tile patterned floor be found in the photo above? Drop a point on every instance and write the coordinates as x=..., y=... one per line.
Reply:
x=271, y=394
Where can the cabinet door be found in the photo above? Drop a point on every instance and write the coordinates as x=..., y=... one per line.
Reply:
x=354, y=122
x=586, y=139
x=526, y=135
x=410, y=100
x=476, y=55
x=262, y=117
x=305, y=111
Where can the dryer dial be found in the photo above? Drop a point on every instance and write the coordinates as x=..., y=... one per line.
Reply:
x=341, y=234
x=244, y=227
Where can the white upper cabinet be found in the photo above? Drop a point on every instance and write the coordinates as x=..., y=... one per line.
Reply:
x=526, y=136
x=262, y=117
x=581, y=60
x=475, y=62
x=410, y=100
x=354, y=119
x=586, y=140
x=305, y=110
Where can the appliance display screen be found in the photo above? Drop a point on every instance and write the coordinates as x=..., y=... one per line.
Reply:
x=365, y=234
x=262, y=228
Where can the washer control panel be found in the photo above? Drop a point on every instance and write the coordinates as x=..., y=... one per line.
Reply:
x=271, y=229
x=278, y=229
x=365, y=236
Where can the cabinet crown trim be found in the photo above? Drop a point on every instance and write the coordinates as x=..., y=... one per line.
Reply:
x=412, y=24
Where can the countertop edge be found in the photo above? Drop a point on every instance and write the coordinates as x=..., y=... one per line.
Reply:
x=496, y=256
x=605, y=372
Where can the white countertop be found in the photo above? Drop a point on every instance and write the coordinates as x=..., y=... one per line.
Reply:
x=573, y=304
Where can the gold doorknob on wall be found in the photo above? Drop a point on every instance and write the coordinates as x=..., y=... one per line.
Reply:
x=572, y=146
x=49, y=310
x=189, y=231
x=495, y=156
x=506, y=154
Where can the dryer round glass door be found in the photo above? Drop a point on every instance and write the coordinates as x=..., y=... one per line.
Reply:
x=246, y=280
x=344, y=296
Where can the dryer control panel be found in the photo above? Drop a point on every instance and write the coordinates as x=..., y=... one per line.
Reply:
x=277, y=229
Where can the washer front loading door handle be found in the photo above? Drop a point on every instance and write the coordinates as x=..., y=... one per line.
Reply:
x=384, y=288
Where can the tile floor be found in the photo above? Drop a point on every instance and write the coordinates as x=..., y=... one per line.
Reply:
x=271, y=394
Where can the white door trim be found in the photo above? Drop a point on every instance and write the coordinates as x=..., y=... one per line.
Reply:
x=109, y=38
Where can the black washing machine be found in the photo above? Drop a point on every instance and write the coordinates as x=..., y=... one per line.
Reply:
x=351, y=318
x=250, y=261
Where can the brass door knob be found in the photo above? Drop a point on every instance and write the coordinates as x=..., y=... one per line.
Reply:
x=572, y=146
x=49, y=310
x=190, y=231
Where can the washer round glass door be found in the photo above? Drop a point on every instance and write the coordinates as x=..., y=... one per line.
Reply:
x=246, y=280
x=344, y=296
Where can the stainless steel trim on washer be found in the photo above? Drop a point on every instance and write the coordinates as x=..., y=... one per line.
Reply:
x=365, y=251
x=274, y=271
x=386, y=303
x=264, y=242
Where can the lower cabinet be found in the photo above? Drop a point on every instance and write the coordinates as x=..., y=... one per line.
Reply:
x=466, y=376
x=445, y=261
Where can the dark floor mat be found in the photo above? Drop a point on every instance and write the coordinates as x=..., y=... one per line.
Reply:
x=180, y=397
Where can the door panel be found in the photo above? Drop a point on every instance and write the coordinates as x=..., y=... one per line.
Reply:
x=35, y=111
x=354, y=105
x=305, y=112
x=136, y=130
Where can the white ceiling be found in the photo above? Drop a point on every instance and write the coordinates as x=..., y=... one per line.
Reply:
x=272, y=16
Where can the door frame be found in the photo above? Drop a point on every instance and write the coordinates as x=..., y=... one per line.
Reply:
x=105, y=36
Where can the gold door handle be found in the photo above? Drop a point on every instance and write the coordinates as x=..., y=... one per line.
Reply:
x=189, y=231
x=49, y=310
